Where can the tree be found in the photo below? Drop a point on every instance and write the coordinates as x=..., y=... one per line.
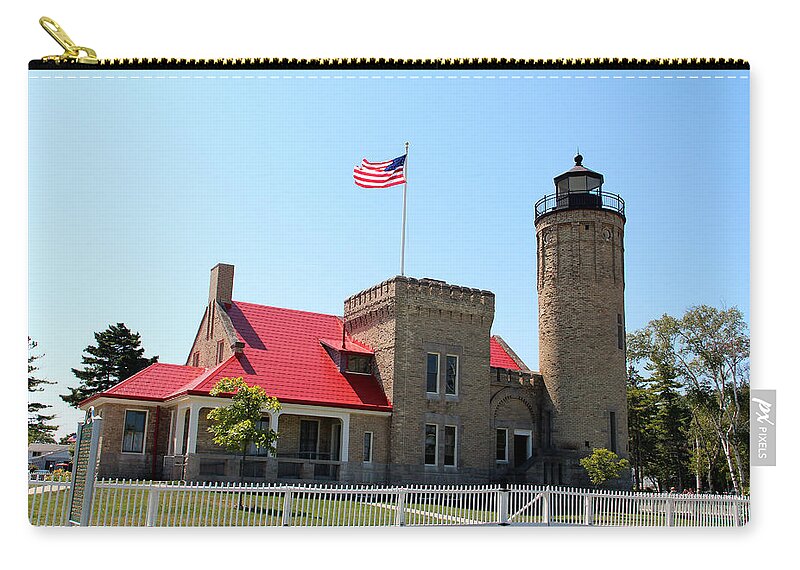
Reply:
x=642, y=412
x=603, y=465
x=235, y=426
x=713, y=349
x=699, y=367
x=670, y=427
x=69, y=440
x=667, y=426
x=705, y=448
x=39, y=431
x=117, y=356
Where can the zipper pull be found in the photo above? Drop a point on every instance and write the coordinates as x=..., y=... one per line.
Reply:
x=72, y=53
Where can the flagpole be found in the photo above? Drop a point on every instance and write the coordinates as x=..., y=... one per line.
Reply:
x=403, y=233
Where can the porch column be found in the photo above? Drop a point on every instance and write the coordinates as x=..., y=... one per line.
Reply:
x=171, y=440
x=179, y=430
x=273, y=425
x=191, y=442
x=343, y=456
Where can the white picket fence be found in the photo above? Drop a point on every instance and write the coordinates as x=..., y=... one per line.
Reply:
x=177, y=504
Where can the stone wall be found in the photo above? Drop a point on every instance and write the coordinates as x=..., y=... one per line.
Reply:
x=404, y=319
x=580, y=281
x=208, y=339
x=376, y=471
x=114, y=463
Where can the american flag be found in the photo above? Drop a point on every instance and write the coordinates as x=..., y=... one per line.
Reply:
x=380, y=174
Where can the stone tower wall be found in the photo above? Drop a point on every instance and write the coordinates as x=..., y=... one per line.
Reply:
x=580, y=281
x=403, y=319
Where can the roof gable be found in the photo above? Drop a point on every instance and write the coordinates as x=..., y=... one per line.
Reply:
x=283, y=354
x=499, y=356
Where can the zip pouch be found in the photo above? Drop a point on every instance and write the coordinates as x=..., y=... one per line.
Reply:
x=467, y=291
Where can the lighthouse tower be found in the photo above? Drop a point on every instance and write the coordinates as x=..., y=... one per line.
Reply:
x=581, y=288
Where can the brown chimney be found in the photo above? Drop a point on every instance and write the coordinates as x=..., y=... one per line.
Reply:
x=221, y=288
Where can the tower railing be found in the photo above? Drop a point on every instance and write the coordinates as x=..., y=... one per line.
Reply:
x=593, y=200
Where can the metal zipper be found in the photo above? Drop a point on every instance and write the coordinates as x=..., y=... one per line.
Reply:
x=77, y=57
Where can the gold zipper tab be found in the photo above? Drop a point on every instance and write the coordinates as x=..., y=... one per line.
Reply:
x=72, y=52
x=77, y=55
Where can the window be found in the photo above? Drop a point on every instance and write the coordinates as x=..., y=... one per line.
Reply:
x=502, y=445
x=196, y=359
x=547, y=442
x=252, y=449
x=309, y=432
x=612, y=420
x=431, y=443
x=358, y=364
x=523, y=446
x=450, y=444
x=620, y=332
x=451, y=380
x=133, y=431
x=220, y=351
x=367, y=447
x=433, y=373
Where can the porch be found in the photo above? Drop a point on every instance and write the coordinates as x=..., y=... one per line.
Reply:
x=313, y=445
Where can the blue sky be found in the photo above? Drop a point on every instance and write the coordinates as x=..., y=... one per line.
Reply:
x=141, y=183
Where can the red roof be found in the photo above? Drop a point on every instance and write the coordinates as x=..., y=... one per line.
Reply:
x=349, y=346
x=155, y=382
x=285, y=353
x=500, y=358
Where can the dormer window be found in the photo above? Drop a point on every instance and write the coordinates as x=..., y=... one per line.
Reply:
x=358, y=364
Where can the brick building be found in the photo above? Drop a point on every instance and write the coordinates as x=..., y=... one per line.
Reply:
x=408, y=385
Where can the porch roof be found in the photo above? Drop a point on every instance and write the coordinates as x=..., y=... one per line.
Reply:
x=156, y=382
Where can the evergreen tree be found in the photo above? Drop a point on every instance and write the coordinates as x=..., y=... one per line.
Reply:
x=668, y=416
x=39, y=431
x=65, y=439
x=117, y=356
x=670, y=425
x=69, y=440
x=641, y=416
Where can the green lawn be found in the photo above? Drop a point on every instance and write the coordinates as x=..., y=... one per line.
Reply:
x=128, y=507
x=199, y=507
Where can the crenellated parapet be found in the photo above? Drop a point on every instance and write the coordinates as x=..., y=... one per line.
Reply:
x=429, y=297
x=502, y=377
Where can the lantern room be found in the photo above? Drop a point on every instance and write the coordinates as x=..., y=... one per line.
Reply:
x=579, y=188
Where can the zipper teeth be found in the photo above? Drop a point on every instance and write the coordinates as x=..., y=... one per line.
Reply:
x=384, y=63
